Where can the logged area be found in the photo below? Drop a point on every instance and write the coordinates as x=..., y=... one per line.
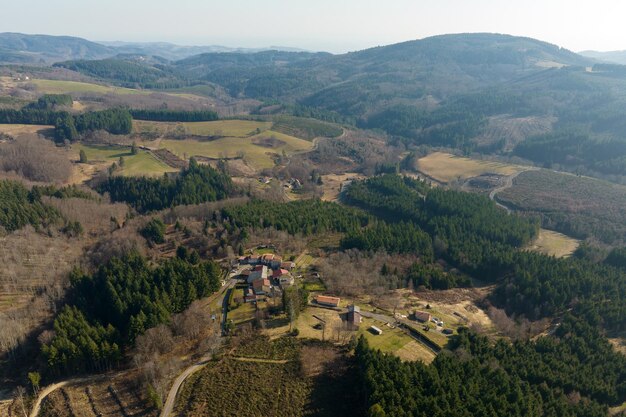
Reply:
x=574, y=205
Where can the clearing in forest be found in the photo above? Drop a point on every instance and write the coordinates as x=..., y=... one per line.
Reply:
x=143, y=163
x=258, y=150
x=554, y=244
x=445, y=167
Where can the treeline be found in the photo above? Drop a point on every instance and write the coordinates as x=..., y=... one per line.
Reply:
x=68, y=126
x=19, y=207
x=466, y=229
x=306, y=217
x=166, y=115
x=50, y=101
x=106, y=311
x=115, y=121
x=574, y=373
x=194, y=185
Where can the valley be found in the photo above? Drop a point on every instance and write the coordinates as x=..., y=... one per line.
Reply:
x=429, y=227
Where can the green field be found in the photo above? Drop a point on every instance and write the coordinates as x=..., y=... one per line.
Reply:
x=395, y=341
x=227, y=128
x=144, y=163
x=229, y=147
x=60, y=87
x=305, y=128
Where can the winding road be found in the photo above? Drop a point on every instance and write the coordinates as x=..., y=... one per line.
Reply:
x=508, y=183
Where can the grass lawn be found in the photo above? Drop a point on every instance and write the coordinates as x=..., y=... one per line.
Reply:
x=144, y=163
x=244, y=312
x=258, y=156
x=554, y=243
x=395, y=341
x=445, y=167
x=61, y=87
x=314, y=286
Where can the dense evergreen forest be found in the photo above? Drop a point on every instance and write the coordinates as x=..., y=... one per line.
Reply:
x=106, y=311
x=467, y=229
x=128, y=73
x=165, y=115
x=306, y=217
x=68, y=126
x=19, y=207
x=194, y=185
x=575, y=372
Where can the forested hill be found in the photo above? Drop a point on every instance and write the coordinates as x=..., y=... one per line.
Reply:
x=22, y=48
x=439, y=65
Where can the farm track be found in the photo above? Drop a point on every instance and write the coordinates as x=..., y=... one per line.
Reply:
x=508, y=183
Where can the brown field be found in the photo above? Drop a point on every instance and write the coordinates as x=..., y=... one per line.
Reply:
x=554, y=243
x=18, y=129
x=445, y=167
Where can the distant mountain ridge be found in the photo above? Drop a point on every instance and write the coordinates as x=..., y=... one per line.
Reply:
x=615, y=57
x=46, y=49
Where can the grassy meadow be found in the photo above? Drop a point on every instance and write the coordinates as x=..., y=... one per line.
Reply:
x=143, y=163
x=445, y=167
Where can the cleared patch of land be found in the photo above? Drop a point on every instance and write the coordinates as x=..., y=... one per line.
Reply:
x=509, y=131
x=60, y=87
x=445, y=167
x=18, y=129
x=554, y=243
x=143, y=163
x=332, y=184
x=573, y=205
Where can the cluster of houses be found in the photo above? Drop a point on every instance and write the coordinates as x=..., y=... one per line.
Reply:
x=269, y=273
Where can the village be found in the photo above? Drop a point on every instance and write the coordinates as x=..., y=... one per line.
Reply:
x=417, y=331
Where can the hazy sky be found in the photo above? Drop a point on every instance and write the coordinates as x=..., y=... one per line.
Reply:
x=331, y=25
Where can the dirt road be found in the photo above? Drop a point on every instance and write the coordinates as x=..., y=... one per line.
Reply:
x=168, y=407
x=508, y=183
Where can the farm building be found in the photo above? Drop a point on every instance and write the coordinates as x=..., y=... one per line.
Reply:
x=259, y=272
x=261, y=286
x=354, y=317
x=422, y=316
x=328, y=301
x=376, y=330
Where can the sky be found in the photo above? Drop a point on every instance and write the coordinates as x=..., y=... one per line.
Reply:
x=322, y=25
